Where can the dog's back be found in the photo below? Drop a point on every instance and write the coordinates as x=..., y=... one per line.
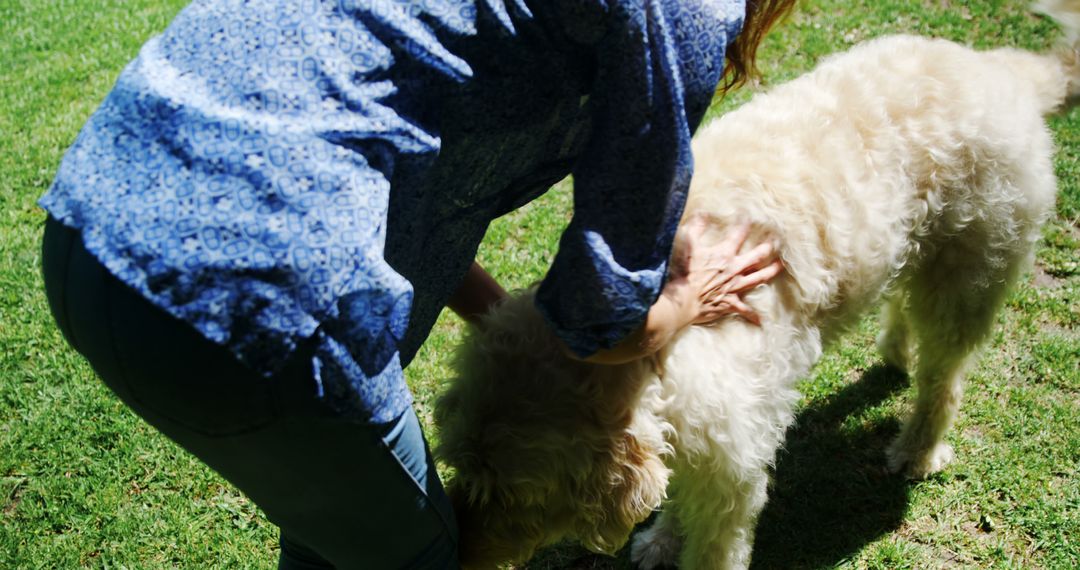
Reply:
x=865, y=167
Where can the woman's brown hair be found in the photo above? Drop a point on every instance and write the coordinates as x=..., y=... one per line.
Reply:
x=741, y=54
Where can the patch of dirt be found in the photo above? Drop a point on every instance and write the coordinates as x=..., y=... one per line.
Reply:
x=14, y=495
x=1045, y=280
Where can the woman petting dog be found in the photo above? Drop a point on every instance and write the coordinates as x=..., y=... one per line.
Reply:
x=256, y=230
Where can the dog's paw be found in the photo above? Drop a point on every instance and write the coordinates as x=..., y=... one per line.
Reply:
x=920, y=464
x=655, y=547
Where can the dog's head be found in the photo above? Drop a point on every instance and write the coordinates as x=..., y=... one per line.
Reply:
x=544, y=447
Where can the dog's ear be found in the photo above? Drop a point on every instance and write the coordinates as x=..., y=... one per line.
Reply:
x=635, y=484
x=487, y=537
x=508, y=502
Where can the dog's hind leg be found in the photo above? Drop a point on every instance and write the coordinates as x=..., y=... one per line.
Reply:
x=952, y=305
x=920, y=447
x=894, y=342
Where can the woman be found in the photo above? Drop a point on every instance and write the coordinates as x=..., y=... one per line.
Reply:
x=256, y=230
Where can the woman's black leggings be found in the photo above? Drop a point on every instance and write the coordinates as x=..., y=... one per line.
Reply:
x=346, y=494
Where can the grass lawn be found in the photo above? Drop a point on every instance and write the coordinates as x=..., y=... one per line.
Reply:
x=84, y=483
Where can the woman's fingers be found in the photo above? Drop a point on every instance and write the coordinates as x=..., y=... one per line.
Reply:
x=696, y=224
x=692, y=230
x=744, y=311
x=727, y=305
x=719, y=273
x=746, y=281
x=746, y=272
x=733, y=240
x=725, y=257
x=761, y=254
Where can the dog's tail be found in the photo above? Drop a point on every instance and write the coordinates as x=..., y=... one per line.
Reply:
x=1067, y=15
x=1055, y=76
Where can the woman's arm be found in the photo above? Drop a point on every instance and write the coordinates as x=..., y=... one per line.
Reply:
x=657, y=67
x=706, y=284
x=476, y=294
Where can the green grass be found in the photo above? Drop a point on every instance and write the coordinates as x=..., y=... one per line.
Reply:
x=84, y=483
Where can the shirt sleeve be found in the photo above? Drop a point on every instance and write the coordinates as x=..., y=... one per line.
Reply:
x=657, y=65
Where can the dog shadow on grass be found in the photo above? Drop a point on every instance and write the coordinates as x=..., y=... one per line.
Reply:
x=831, y=492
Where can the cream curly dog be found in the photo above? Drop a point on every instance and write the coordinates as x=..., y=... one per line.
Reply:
x=911, y=170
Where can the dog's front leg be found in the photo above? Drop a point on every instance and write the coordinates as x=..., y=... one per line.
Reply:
x=714, y=511
x=718, y=512
x=659, y=545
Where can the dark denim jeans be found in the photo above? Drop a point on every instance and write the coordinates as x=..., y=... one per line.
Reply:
x=346, y=494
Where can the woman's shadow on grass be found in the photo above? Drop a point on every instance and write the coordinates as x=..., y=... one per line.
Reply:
x=831, y=492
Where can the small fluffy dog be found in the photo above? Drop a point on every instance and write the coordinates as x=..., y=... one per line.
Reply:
x=912, y=170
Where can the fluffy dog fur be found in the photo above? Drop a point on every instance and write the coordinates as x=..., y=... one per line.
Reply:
x=911, y=170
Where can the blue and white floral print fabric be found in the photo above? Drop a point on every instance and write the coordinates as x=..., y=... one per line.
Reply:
x=272, y=171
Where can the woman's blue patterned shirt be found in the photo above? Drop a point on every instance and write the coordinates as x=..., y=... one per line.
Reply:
x=275, y=170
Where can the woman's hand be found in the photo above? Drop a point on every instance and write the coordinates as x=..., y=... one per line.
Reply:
x=706, y=281
x=705, y=284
